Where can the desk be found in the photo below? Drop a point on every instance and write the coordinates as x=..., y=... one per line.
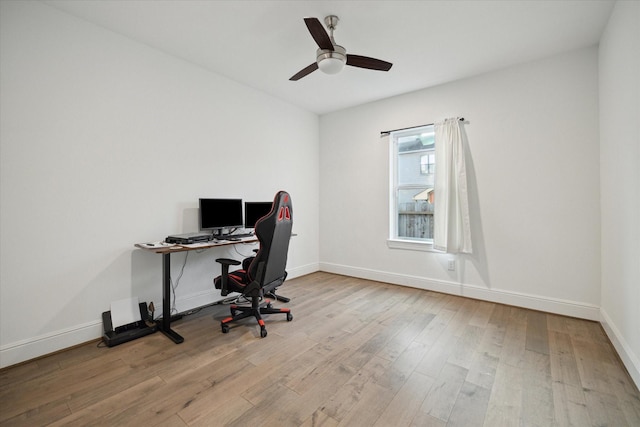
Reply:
x=166, y=251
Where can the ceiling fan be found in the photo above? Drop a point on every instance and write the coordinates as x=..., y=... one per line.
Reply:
x=330, y=57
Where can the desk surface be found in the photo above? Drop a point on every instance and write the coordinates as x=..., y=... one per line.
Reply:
x=163, y=248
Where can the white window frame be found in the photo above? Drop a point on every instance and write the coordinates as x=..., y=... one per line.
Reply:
x=394, y=241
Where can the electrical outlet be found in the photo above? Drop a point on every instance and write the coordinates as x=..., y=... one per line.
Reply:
x=451, y=266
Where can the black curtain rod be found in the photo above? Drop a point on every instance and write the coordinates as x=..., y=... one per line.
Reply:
x=387, y=132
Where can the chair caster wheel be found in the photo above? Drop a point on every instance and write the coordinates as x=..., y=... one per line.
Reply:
x=263, y=332
x=225, y=329
x=289, y=317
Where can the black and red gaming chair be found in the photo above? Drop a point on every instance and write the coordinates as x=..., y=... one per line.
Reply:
x=266, y=271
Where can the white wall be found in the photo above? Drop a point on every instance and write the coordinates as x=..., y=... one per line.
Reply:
x=105, y=143
x=619, y=59
x=534, y=187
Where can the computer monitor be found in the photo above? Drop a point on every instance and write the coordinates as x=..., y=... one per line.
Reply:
x=218, y=214
x=253, y=211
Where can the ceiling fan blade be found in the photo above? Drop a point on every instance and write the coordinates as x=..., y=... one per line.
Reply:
x=307, y=70
x=318, y=33
x=369, y=63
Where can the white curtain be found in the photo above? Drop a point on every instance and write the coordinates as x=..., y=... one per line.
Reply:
x=451, y=231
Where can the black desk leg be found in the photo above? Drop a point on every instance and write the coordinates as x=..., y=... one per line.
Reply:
x=165, y=326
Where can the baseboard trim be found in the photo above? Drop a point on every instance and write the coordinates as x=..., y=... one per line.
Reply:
x=630, y=360
x=42, y=345
x=303, y=270
x=534, y=302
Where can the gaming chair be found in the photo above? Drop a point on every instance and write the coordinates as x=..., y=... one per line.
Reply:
x=262, y=274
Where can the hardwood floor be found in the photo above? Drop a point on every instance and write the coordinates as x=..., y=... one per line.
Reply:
x=358, y=353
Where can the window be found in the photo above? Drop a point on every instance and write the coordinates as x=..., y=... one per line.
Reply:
x=411, y=197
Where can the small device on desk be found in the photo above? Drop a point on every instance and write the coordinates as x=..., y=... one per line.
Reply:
x=235, y=236
x=187, y=238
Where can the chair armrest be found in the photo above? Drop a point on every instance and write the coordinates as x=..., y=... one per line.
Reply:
x=228, y=261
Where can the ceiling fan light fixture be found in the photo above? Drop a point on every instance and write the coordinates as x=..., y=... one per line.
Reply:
x=331, y=61
x=330, y=57
x=331, y=65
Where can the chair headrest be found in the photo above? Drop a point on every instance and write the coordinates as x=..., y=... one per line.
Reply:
x=282, y=202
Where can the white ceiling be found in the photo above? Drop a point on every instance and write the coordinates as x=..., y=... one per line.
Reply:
x=263, y=43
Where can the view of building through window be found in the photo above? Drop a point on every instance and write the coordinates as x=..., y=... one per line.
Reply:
x=412, y=197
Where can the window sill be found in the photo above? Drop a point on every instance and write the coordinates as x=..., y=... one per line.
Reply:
x=412, y=245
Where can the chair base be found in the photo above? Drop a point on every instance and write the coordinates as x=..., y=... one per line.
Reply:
x=277, y=297
x=256, y=310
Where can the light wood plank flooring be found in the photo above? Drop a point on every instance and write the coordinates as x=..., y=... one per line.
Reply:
x=358, y=353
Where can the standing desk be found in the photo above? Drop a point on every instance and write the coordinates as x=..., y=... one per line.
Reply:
x=166, y=251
